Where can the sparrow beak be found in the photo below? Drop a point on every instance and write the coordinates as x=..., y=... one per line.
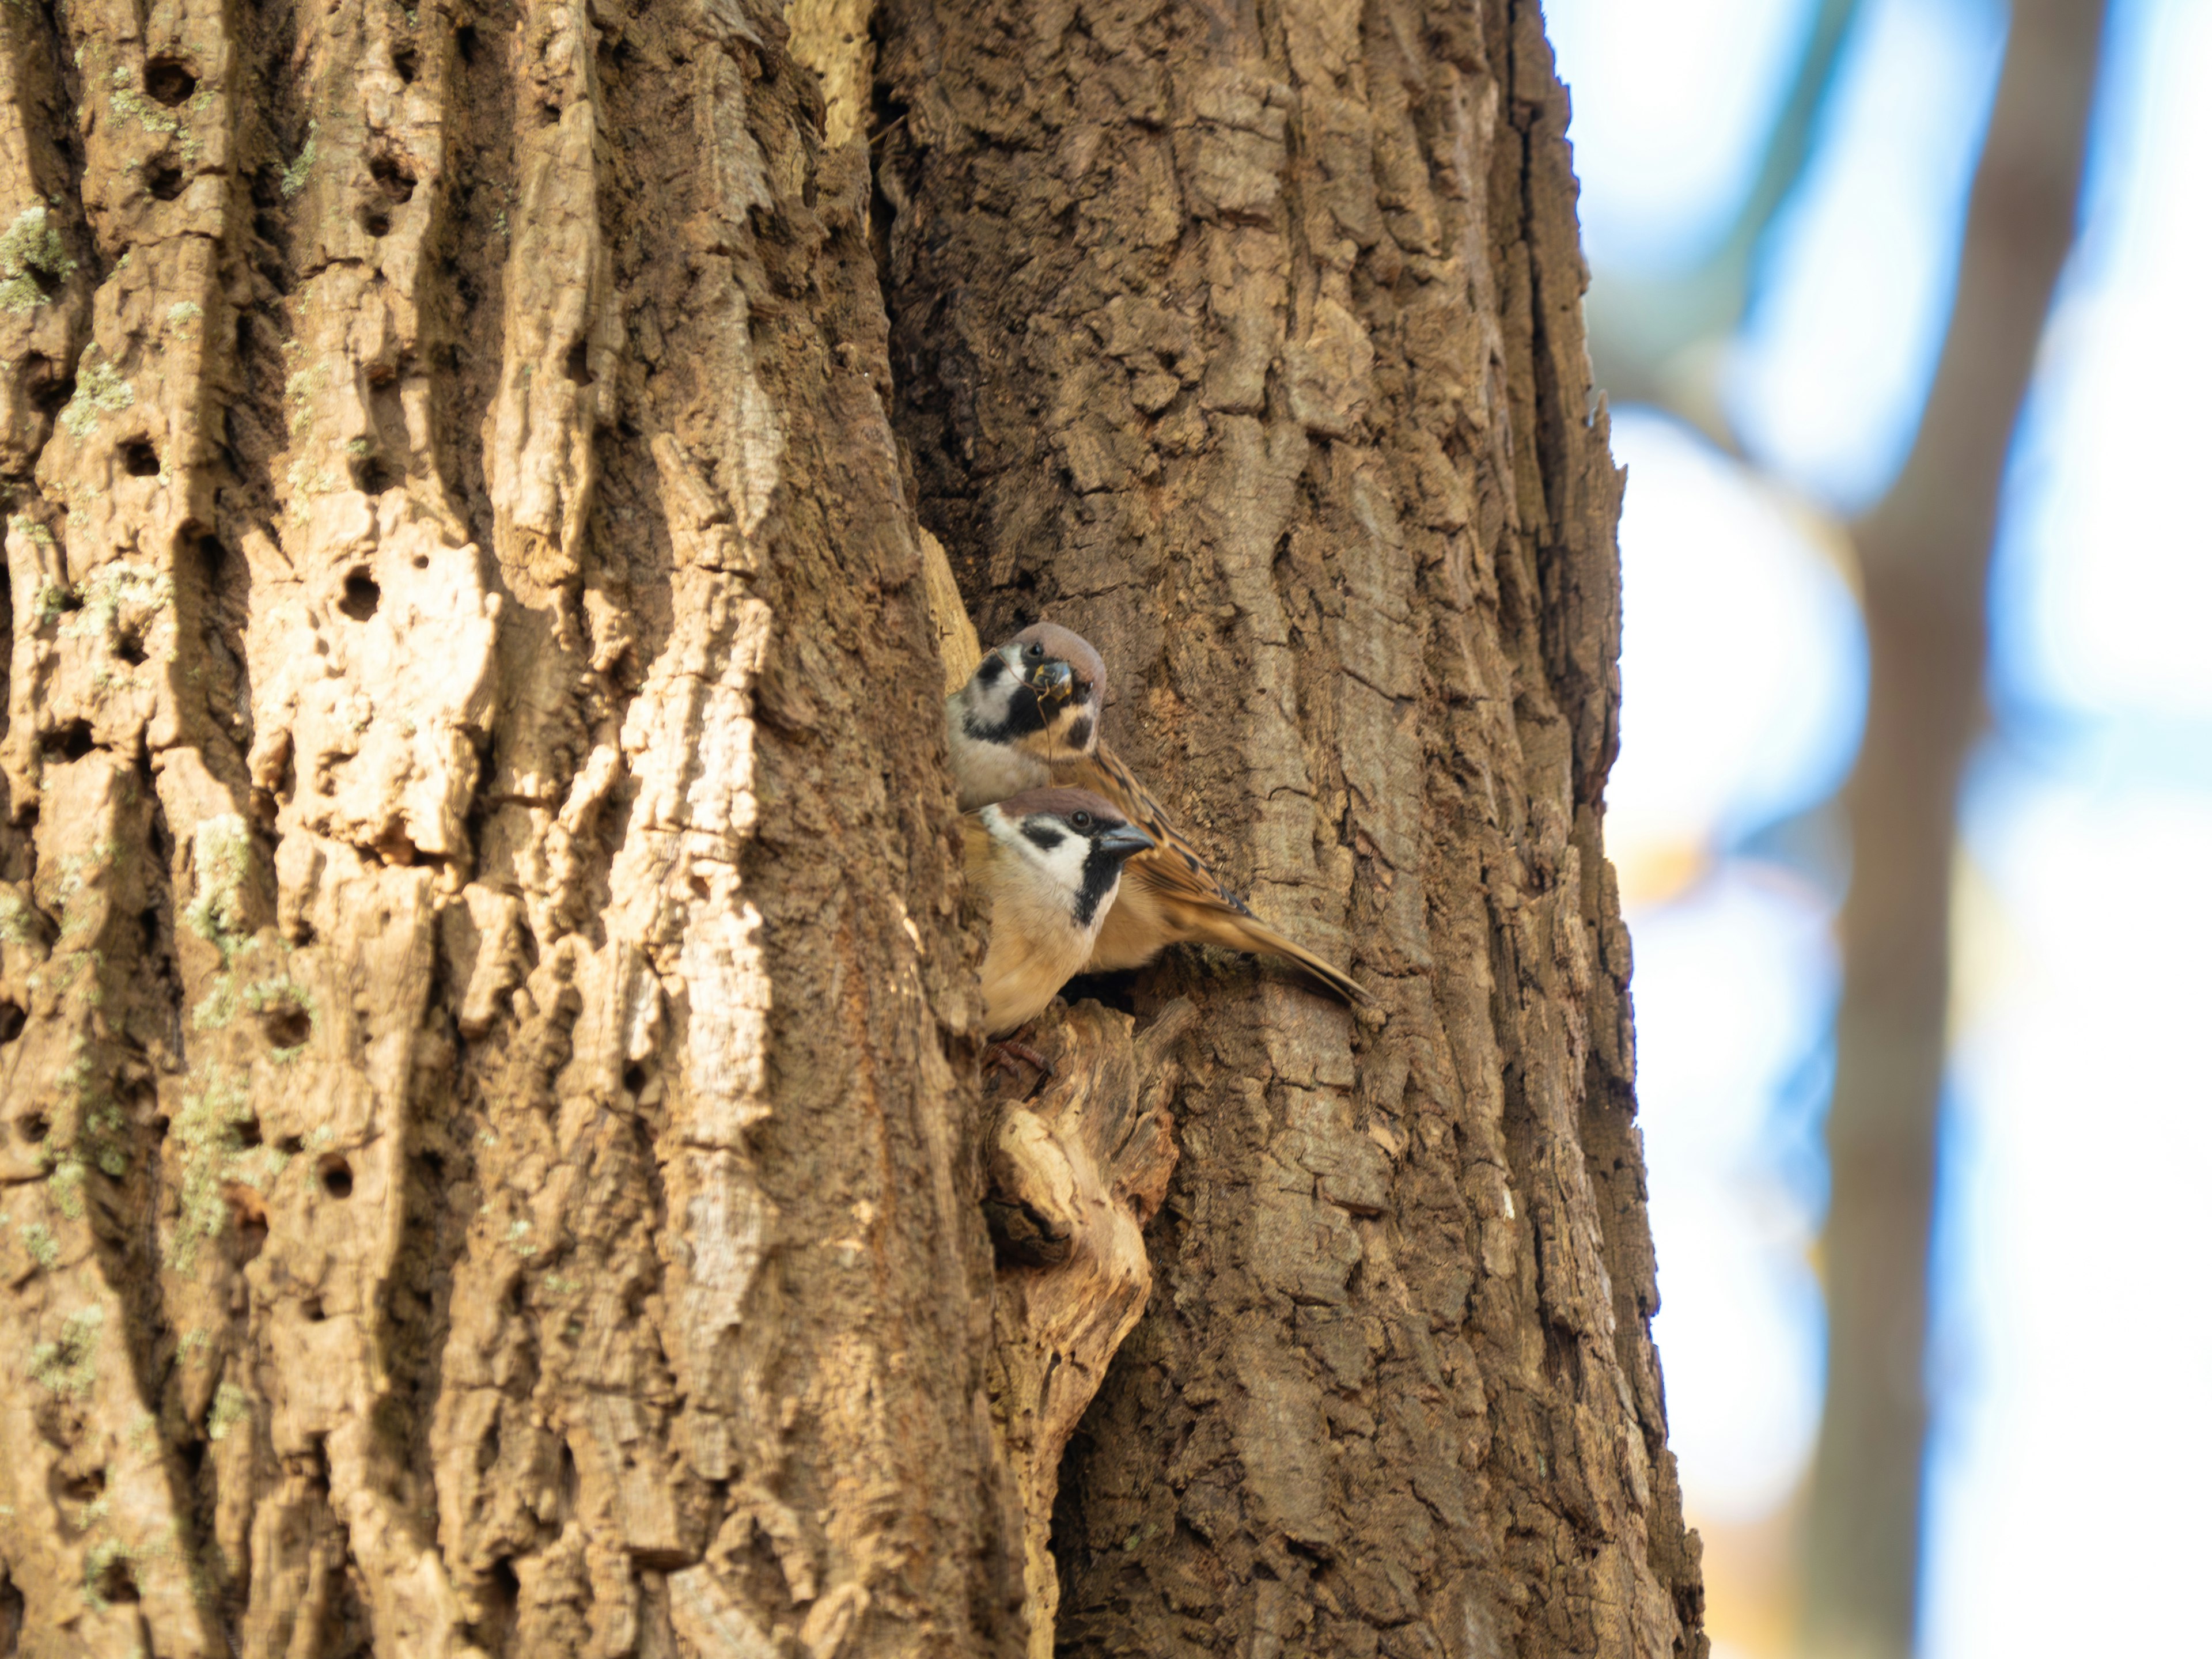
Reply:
x=1052, y=681
x=1125, y=840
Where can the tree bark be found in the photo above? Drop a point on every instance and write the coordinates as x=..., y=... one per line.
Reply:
x=1924, y=554
x=484, y=1170
x=493, y=1159
x=1248, y=343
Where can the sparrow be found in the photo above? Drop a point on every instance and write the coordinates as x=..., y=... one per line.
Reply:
x=1028, y=718
x=1043, y=867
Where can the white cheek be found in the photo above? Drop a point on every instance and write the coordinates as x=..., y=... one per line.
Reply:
x=1065, y=861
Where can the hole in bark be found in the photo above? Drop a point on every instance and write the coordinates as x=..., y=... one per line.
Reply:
x=404, y=63
x=361, y=595
x=249, y=1219
x=465, y=42
x=130, y=647
x=371, y=476
x=33, y=1127
x=337, y=1176
x=312, y=1310
x=115, y=1582
x=505, y=1591
x=633, y=1078
x=165, y=179
x=12, y=1018
x=11, y=1616
x=192, y=1454
x=577, y=365
x=47, y=390
x=374, y=220
x=249, y=1133
x=80, y=1489
x=291, y=1145
x=287, y=1025
x=392, y=176
x=72, y=742
x=169, y=83
x=140, y=458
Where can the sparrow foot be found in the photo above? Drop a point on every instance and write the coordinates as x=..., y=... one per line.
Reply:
x=998, y=1053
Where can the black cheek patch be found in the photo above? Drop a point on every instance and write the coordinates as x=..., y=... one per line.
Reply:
x=991, y=668
x=1079, y=735
x=1043, y=837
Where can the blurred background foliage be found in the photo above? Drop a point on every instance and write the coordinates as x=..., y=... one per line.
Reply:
x=1776, y=199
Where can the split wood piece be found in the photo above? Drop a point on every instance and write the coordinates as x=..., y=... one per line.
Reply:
x=1075, y=1175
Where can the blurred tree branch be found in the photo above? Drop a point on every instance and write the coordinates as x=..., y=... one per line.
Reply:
x=1924, y=554
x=1658, y=339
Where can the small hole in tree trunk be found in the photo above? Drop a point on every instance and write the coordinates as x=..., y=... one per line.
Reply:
x=165, y=179
x=404, y=63
x=47, y=390
x=130, y=647
x=337, y=1176
x=633, y=1078
x=577, y=366
x=72, y=742
x=115, y=1582
x=287, y=1025
x=169, y=83
x=394, y=177
x=374, y=220
x=141, y=459
x=361, y=595
x=12, y=1019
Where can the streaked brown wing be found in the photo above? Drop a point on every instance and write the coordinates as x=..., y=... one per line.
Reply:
x=1169, y=895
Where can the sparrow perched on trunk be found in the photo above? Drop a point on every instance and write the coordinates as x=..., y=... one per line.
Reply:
x=1043, y=867
x=1029, y=717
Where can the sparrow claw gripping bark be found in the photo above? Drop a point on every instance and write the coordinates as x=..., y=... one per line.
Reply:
x=1029, y=717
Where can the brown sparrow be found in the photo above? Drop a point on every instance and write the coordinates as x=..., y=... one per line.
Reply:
x=1043, y=869
x=1029, y=717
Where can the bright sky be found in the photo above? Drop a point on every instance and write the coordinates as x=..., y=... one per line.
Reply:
x=2071, y=1370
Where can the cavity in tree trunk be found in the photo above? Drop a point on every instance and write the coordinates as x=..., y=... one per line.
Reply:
x=494, y=1160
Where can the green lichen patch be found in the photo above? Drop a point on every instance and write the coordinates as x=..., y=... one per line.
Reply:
x=210, y=1134
x=222, y=859
x=101, y=392
x=114, y=588
x=229, y=1410
x=69, y=1365
x=33, y=258
x=296, y=176
x=182, y=316
x=38, y=1243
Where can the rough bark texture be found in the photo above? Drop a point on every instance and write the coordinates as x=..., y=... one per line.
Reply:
x=1924, y=553
x=1075, y=1175
x=1249, y=343
x=482, y=1172
x=482, y=1005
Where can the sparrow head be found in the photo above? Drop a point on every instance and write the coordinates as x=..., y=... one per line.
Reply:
x=1066, y=846
x=1041, y=692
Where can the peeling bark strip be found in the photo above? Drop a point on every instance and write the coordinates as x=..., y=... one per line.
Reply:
x=477, y=916
x=1248, y=343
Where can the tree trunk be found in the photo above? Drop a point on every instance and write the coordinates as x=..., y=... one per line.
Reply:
x=494, y=1161
x=1249, y=345
x=484, y=1173
x=1924, y=553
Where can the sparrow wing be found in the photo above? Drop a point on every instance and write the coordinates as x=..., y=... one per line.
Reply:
x=1171, y=896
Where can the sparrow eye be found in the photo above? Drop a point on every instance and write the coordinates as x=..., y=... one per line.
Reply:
x=1034, y=652
x=1081, y=820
